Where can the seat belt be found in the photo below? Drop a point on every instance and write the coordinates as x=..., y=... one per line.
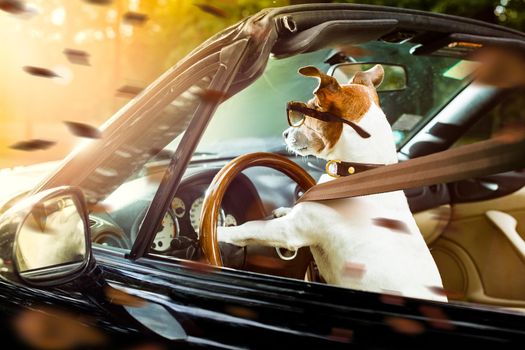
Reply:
x=479, y=159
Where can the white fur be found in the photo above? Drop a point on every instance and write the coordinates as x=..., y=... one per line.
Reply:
x=341, y=233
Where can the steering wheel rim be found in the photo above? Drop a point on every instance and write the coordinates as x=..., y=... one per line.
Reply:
x=220, y=183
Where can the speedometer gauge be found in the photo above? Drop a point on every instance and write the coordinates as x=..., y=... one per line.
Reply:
x=168, y=231
x=178, y=207
x=195, y=215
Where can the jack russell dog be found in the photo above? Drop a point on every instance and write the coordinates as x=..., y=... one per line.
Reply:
x=350, y=243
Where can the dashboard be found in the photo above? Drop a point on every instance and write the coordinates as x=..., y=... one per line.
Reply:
x=252, y=195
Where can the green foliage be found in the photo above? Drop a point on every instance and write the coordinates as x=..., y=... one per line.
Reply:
x=509, y=13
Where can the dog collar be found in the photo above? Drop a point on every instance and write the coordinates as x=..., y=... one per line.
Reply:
x=338, y=168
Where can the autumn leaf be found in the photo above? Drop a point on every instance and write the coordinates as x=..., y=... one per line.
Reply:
x=392, y=298
x=353, y=51
x=391, y=224
x=160, y=153
x=44, y=327
x=119, y=297
x=99, y=208
x=353, y=269
x=14, y=7
x=342, y=335
x=83, y=130
x=40, y=72
x=129, y=91
x=211, y=96
x=212, y=10
x=135, y=18
x=32, y=145
x=510, y=132
x=77, y=56
x=266, y=262
x=437, y=317
x=99, y=2
x=336, y=58
x=240, y=311
x=197, y=266
x=447, y=293
x=500, y=67
x=405, y=325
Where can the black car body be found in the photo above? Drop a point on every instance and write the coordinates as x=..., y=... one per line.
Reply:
x=187, y=305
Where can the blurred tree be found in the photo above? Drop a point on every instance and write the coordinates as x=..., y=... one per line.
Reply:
x=174, y=28
x=504, y=12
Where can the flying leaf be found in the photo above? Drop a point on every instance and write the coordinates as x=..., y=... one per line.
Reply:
x=14, y=7
x=135, y=18
x=77, y=56
x=436, y=316
x=391, y=224
x=99, y=2
x=37, y=219
x=404, y=325
x=32, y=145
x=341, y=335
x=212, y=10
x=41, y=326
x=266, y=262
x=129, y=91
x=447, y=293
x=211, y=96
x=99, y=208
x=40, y=72
x=198, y=266
x=353, y=51
x=353, y=269
x=240, y=311
x=119, y=297
x=500, y=67
x=336, y=58
x=83, y=130
x=510, y=132
x=160, y=153
x=392, y=298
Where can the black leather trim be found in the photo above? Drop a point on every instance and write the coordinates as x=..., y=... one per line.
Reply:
x=427, y=197
x=489, y=187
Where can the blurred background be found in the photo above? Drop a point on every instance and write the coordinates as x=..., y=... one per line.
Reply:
x=81, y=60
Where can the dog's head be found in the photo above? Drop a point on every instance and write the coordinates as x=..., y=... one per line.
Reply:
x=349, y=101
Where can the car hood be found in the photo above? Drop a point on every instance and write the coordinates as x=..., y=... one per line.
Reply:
x=15, y=181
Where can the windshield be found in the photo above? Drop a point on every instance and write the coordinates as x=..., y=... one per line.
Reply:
x=254, y=119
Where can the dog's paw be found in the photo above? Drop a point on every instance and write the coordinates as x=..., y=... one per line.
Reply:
x=280, y=212
x=226, y=235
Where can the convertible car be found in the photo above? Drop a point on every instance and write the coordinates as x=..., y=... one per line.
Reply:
x=121, y=231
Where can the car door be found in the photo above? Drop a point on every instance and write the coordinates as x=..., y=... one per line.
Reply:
x=476, y=227
x=194, y=304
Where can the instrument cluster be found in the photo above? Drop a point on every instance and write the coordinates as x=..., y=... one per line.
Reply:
x=183, y=219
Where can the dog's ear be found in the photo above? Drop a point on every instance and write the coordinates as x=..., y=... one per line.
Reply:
x=372, y=77
x=325, y=81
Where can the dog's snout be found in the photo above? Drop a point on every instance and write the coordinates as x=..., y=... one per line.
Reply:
x=285, y=133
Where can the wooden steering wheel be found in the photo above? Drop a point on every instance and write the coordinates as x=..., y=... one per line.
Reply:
x=213, y=199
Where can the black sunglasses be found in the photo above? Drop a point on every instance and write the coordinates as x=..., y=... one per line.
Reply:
x=297, y=112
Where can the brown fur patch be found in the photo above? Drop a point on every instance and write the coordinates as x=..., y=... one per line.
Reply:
x=326, y=135
x=350, y=101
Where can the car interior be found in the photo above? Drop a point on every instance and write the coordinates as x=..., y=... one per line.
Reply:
x=475, y=228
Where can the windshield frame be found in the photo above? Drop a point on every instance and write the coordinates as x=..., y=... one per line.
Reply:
x=229, y=61
x=261, y=33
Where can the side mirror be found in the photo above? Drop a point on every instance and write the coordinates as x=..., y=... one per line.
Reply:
x=395, y=78
x=45, y=238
